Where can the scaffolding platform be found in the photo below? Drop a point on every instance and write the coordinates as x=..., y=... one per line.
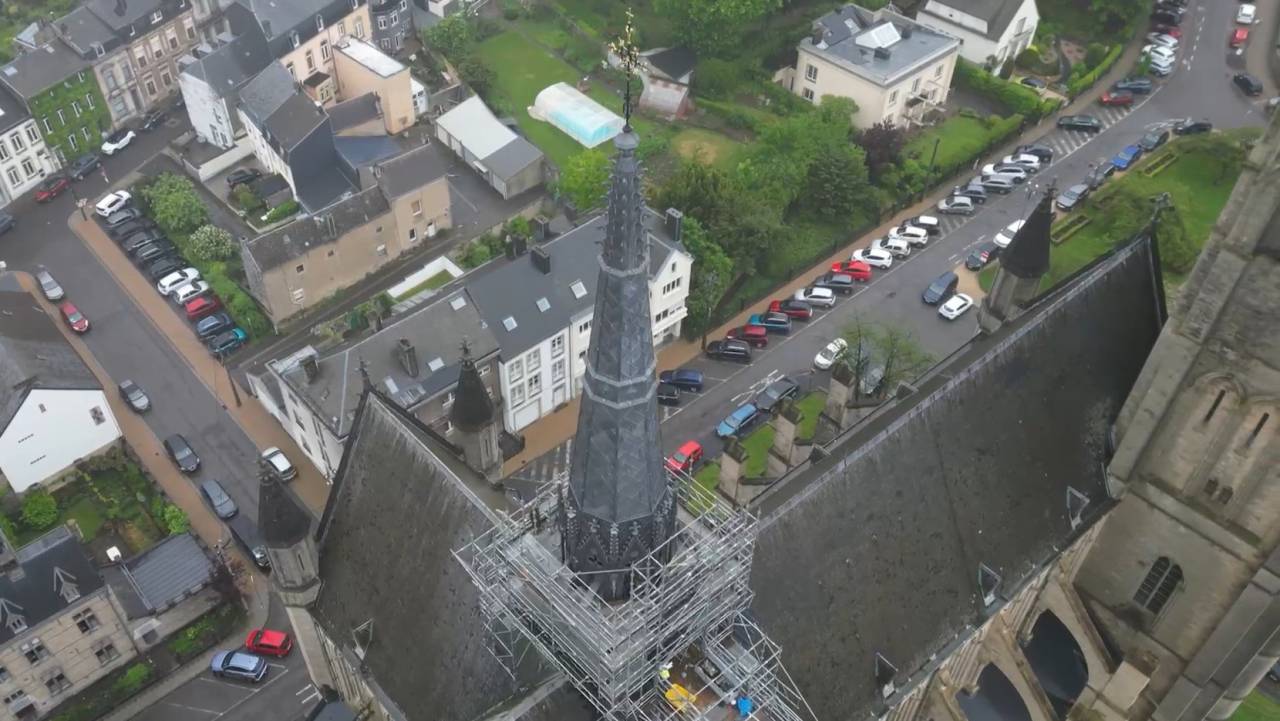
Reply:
x=689, y=614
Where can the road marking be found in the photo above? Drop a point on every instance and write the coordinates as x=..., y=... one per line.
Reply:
x=193, y=708
x=312, y=696
x=255, y=692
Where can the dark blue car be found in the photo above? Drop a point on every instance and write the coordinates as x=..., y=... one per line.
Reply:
x=1127, y=157
x=686, y=379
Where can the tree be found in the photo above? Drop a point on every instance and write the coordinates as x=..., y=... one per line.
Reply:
x=1114, y=13
x=883, y=144
x=210, y=242
x=175, y=520
x=476, y=74
x=902, y=357
x=585, y=178
x=856, y=359
x=712, y=273
x=453, y=37
x=837, y=184
x=711, y=25
x=174, y=203
x=39, y=510
x=776, y=167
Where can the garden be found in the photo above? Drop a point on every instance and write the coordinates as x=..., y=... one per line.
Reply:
x=1085, y=36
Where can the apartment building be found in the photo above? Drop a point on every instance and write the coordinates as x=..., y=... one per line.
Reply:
x=24, y=158
x=59, y=90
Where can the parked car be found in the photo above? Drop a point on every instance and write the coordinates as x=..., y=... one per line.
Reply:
x=998, y=184
x=217, y=497
x=743, y=419
x=52, y=291
x=1073, y=196
x=942, y=288
x=120, y=217
x=1192, y=127
x=124, y=230
x=956, y=205
x=1043, y=152
x=979, y=257
x=241, y=176
x=176, y=280
x=931, y=224
x=275, y=461
x=817, y=297
x=1171, y=30
x=828, y=355
x=797, y=309
x=155, y=251
x=1166, y=17
x=973, y=191
x=6, y=222
x=162, y=267
x=776, y=392
x=1127, y=157
x=772, y=322
x=668, y=395
x=686, y=379
x=1116, y=98
x=113, y=202
x=754, y=335
x=1246, y=14
x=202, y=306
x=910, y=233
x=1162, y=67
x=51, y=187
x=1035, y=83
x=874, y=258
x=856, y=269
x=955, y=306
x=1016, y=173
x=227, y=341
x=237, y=664
x=1099, y=174
x=212, y=325
x=268, y=643
x=1137, y=86
x=74, y=317
x=835, y=282
x=117, y=141
x=83, y=165
x=1028, y=162
x=134, y=396
x=134, y=242
x=729, y=350
x=1248, y=84
x=1005, y=236
x=181, y=453
x=1165, y=40
x=1084, y=123
x=1239, y=37
x=897, y=247
x=1159, y=54
x=194, y=289
x=154, y=119
x=686, y=458
x=1153, y=140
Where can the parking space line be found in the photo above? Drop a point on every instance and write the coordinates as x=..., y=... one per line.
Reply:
x=211, y=712
x=255, y=691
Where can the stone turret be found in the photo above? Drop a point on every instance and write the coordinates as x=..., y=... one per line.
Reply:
x=1022, y=266
x=474, y=417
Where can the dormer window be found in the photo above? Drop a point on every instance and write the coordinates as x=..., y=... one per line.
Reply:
x=98, y=50
x=355, y=4
x=293, y=38
x=16, y=624
x=319, y=23
x=157, y=17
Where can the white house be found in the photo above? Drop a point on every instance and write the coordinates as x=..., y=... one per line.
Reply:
x=540, y=310
x=53, y=411
x=24, y=159
x=990, y=31
x=210, y=80
x=894, y=68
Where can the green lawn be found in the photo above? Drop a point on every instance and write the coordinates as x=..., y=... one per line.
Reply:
x=431, y=283
x=708, y=476
x=1257, y=706
x=87, y=515
x=810, y=407
x=757, y=446
x=960, y=139
x=709, y=146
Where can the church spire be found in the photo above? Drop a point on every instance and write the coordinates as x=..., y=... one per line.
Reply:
x=1022, y=265
x=472, y=407
x=619, y=506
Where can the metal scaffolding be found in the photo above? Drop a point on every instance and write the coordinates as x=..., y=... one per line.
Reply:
x=691, y=610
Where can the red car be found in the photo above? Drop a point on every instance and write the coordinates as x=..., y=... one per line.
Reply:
x=796, y=309
x=755, y=335
x=269, y=643
x=855, y=269
x=686, y=458
x=51, y=187
x=198, y=308
x=1118, y=98
x=74, y=318
x=1172, y=31
x=1239, y=37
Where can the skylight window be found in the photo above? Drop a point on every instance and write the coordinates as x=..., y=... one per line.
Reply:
x=544, y=305
x=579, y=290
x=881, y=36
x=458, y=302
x=436, y=364
x=509, y=323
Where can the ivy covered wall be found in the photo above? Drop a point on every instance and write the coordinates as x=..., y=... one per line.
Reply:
x=76, y=91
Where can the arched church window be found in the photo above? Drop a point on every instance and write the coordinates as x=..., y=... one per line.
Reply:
x=1158, y=586
x=1214, y=408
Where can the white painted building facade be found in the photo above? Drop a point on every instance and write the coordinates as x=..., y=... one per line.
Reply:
x=51, y=431
x=990, y=34
x=24, y=160
x=211, y=115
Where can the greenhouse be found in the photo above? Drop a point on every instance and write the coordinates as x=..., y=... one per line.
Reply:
x=580, y=117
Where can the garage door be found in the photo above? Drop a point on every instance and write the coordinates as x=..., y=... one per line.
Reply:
x=528, y=414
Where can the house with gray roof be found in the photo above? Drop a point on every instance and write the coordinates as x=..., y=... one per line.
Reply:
x=59, y=89
x=27, y=160
x=164, y=588
x=991, y=32
x=893, y=67
x=212, y=76
x=53, y=411
x=508, y=163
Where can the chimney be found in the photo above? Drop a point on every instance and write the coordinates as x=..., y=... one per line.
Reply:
x=408, y=356
x=540, y=231
x=518, y=245
x=883, y=53
x=907, y=30
x=541, y=260
x=266, y=27
x=311, y=367
x=817, y=34
x=674, y=222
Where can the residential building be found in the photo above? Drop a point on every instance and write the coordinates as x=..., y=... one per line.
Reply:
x=53, y=411
x=894, y=68
x=667, y=74
x=540, y=309
x=991, y=32
x=24, y=159
x=59, y=90
x=508, y=162
x=59, y=631
x=415, y=361
x=163, y=589
x=361, y=68
x=211, y=80
x=302, y=34
x=391, y=24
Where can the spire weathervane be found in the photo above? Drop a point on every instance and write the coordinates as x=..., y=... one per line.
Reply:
x=628, y=55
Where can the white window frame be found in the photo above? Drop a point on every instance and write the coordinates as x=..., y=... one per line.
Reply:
x=807, y=94
x=811, y=73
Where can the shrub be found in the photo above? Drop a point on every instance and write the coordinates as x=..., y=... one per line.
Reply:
x=652, y=145
x=1019, y=99
x=716, y=78
x=1095, y=54
x=174, y=204
x=175, y=519
x=132, y=680
x=245, y=199
x=39, y=510
x=281, y=211
x=210, y=242
x=1086, y=80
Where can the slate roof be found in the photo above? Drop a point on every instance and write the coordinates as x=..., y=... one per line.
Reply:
x=50, y=564
x=428, y=649
x=1028, y=253
x=436, y=331
x=512, y=289
x=32, y=73
x=412, y=170
x=675, y=63
x=231, y=66
x=282, y=520
x=282, y=16
x=163, y=574
x=996, y=13
x=353, y=112
x=842, y=29
x=359, y=151
x=81, y=28
x=293, y=120
x=320, y=192
x=12, y=111
x=295, y=239
x=512, y=158
x=33, y=353
x=971, y=469
x=120, y=14
x=266, y=92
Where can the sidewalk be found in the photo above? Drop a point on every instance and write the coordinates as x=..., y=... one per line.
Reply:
x=550, y=431
x=252, y=418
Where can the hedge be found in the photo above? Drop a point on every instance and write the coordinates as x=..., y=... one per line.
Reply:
x=1017, y=98
x=281, y=211
x=1086, y=81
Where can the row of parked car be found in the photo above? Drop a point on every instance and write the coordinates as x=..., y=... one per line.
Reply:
x=998, y=178
x=248, y=663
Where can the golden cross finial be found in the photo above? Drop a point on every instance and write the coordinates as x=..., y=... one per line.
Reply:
x=628, y=56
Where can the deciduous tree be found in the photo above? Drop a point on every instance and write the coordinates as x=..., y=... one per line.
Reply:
x=210, y=242
x=39, y=510
x=712, y=25
x=174, y=203
x=883, y=144
x=585, y=178
x=712, y=274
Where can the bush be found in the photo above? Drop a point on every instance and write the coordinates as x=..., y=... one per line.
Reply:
x=652, y=145
x=174, y=204
x=175, y=519
x=281, y=211
x=210, y=242
x=716, y=78
x=132, y=680
x=1019, y=99
x=1085, y=81
x=39, y=510
x=1095, y=54
x=245, y=199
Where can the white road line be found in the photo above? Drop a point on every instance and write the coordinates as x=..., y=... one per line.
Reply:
x=193, y=708
x=255, y=692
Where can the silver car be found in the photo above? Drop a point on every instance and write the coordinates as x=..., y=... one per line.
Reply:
x=49, y=286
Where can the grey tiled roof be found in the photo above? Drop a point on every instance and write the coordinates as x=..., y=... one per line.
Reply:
x=33, y=353
x=118, y=14
x=356, y=111
x=14, y=111
x=971, y=469
x=50, y=564
x=266, y=92
x=298, y=237
x=997, y=13
x=81, y=28
x=512, y=288
x=167, y=571
x=436, y=331
x=412, y=170
x=229, y=67
x=31, y=73
x=293, y=120
x=842, y=28
x=510, y=159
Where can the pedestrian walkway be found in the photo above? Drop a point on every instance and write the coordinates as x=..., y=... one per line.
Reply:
x=252, y=418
